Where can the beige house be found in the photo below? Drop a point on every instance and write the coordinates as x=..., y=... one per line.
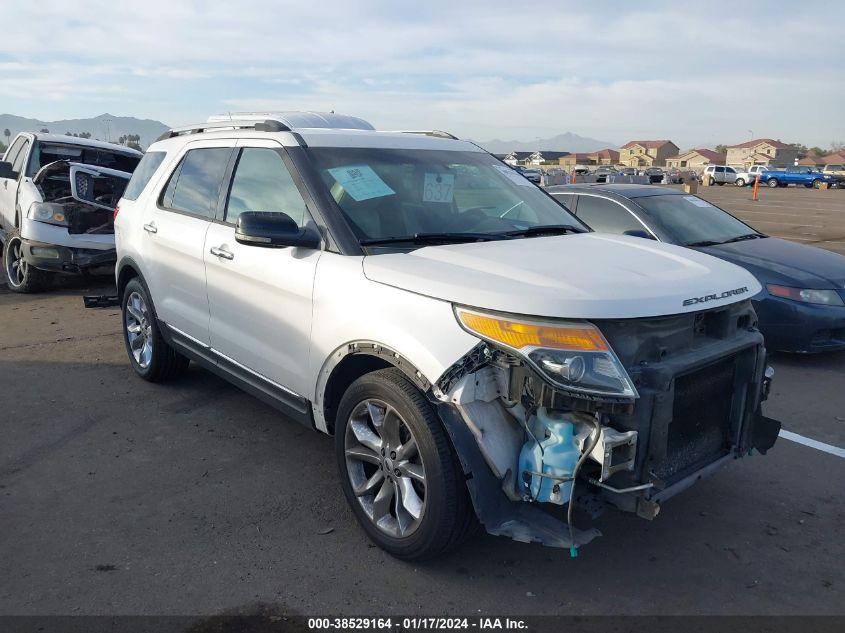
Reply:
x=601, y=157
x=762, y=151
x=647, y=153
x=820, y=161
x=696, y=158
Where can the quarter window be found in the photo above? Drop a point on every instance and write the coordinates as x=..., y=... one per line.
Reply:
x=142, y=174
x=606, y=216
x=195, y=185
x=262, y=182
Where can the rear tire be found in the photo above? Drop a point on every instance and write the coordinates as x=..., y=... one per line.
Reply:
x=21, y=276
x=773, y=183
x=721, y=184
x=712, y=181
x=817, y=184
x=149, y=354
x=385, y=430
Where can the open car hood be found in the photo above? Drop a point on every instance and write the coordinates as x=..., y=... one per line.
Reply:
x=589, y=276
x=82, y=179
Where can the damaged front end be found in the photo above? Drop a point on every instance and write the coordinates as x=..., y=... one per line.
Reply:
x=623, y=412
x=71, y=228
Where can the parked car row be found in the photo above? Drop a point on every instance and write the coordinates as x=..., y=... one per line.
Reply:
x=477, y=351
x=795, y=175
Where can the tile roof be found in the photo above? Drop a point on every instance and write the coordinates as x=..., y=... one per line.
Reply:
x=756, y=142
x=646, y=144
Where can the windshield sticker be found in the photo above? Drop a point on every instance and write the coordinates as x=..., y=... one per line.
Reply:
x=438, y=187
x=514, y=176
x=361, y=182
x=697, y=201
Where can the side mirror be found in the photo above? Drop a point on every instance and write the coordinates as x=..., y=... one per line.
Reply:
x=273, y=230
x=6, y=171
x=639, y=233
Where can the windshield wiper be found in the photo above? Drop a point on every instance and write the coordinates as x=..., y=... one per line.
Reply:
x=702, y=243
x=442, y=238
x=740, y=238
x=548, y=229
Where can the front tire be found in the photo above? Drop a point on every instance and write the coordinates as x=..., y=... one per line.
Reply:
x=398, y=470
x=149, y=354
x=20, y=275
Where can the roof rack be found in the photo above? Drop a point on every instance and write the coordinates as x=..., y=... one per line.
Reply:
x=437, y=133
x=272, y=122
x=268, y=125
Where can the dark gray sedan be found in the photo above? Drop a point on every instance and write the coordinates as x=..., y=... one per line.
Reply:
x=802, y=305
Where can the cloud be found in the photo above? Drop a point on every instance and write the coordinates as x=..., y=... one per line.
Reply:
x=482, y=69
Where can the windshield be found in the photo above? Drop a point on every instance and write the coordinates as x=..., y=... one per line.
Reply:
x=689, y=220
x=46, y=153
x=398, y=193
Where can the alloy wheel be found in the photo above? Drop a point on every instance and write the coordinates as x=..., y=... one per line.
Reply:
x=139, y=330
x=16, y=266
x=385, y=469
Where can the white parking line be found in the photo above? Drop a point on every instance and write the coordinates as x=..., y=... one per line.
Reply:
x=806, y=441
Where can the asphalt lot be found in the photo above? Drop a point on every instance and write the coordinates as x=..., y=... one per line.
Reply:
x=121, y=497
x=809, y=216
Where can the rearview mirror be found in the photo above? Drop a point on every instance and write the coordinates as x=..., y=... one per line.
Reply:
x=273, y=230
x=6, y=171
x=639, y=233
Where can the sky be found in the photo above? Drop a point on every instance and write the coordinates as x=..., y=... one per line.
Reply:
x=696, y=73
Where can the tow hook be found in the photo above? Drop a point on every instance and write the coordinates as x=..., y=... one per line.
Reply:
x=767, y=381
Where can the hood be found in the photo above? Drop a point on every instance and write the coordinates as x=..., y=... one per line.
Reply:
x=775, y=260
x=585, y=276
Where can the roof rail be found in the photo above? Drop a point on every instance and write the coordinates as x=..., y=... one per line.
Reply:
x=268, y=125
x=437, y=133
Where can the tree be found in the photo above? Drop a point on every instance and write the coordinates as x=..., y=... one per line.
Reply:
x=721, y=149
x=2, y=148
x=818, y=151
x=7, y=133
x=836, y=146
x=44, y=130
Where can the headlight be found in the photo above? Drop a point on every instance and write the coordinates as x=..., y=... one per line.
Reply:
x=48, y=212
x=573, y=355
x=807, y=295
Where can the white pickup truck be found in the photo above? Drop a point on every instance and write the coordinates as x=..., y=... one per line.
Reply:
x=749, y=176
x=57, y=199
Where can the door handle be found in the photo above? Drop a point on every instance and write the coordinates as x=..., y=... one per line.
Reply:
x=219, y=251
x=151, y=228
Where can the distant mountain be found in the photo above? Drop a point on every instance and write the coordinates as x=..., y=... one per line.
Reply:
x=105, y=127
x=566, y=142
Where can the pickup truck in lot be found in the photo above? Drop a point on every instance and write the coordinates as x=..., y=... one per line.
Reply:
x=476, y=351
x=57, y=199
x=749, y=176
x=797, y=175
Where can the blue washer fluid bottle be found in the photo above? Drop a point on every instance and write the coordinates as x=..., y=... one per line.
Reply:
x=554, y=453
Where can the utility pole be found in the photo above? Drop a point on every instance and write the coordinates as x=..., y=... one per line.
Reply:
x=108, y=129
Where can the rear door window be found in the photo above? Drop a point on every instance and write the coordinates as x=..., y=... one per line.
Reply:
x=194, y=187
x=143, y=173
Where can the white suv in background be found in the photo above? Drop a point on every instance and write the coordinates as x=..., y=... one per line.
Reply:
x=472, y=347
x=718, y=175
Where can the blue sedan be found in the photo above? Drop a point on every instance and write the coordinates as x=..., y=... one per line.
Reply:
x=802, y=305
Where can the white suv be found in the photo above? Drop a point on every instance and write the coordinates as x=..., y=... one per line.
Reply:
x=718, y=175
x=469, y=343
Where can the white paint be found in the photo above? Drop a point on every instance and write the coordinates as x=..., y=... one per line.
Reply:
x=806, y=441
x=590, y=275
